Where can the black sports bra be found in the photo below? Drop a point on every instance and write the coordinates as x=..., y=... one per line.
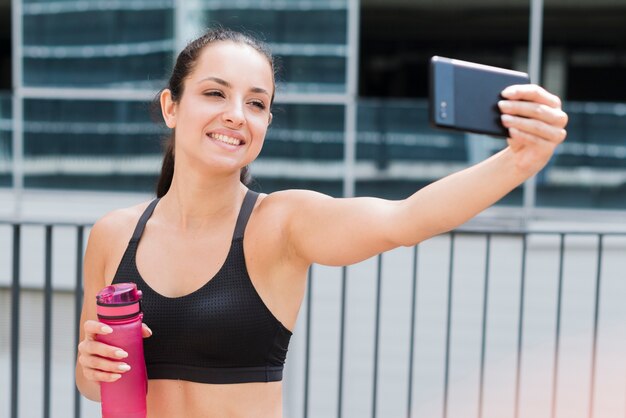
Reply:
x=220, y=333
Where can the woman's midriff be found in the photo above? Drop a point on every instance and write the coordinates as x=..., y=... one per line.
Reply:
x=182, y=399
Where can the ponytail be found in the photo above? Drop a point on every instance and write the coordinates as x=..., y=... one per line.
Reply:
x=167, y=168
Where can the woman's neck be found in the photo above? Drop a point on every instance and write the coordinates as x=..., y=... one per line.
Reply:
x=195, y=203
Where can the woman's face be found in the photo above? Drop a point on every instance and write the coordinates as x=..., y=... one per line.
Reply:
x=223, y=114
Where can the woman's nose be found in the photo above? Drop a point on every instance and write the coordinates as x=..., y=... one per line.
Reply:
x=233, y=115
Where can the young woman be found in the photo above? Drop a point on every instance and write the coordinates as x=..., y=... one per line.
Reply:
x=223, y=269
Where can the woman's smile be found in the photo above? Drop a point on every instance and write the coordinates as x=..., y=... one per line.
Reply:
x=229, y=142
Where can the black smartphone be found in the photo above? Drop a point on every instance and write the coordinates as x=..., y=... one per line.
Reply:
x=464, y=95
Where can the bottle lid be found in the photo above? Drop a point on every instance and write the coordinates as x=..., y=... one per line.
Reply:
x=119, y=294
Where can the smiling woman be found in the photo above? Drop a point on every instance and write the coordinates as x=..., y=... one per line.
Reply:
x=223, y=269
x=184, y=65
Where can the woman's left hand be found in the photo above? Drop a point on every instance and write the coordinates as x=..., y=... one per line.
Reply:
x=536, y=124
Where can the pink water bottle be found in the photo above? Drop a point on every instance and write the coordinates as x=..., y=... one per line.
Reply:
x=118, y=307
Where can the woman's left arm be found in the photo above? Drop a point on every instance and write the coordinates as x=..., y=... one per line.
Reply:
x=331, y=231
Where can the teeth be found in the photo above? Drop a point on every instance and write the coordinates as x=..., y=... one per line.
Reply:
x=226, y=139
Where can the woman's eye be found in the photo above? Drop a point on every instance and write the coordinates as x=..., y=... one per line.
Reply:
x=259, y=104
x=214, y=93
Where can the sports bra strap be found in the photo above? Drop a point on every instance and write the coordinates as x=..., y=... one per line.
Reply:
x=244, y=213
x=242, y=220
x=142, y=221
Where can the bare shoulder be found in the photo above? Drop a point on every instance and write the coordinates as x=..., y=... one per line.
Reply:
x=110, y=234
x=286, y=201
x=117, y=223
x=275, y=215
x=283, y=207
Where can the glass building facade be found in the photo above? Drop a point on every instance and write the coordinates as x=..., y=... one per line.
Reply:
x=350, y=117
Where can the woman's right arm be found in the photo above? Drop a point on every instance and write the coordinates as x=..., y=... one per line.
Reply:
x=94, y=362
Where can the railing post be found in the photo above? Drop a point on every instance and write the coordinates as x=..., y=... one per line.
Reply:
x=47, y=320
x=520, y=326
x=342, y=337
x=307, y=355
x=557, y=338
x=446, y=382
x=78, y=298
x=15, y=321
x=483, y=339
x=377, y=335
x=596, y=318
x=409, y=406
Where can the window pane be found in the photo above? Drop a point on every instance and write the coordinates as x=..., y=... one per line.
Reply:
x=303, y=149
x=287, y=26
x=81, y=144
x=589, y=169
x=310, y=45
x=399, y=152
x=583, y=63
x=116, y=47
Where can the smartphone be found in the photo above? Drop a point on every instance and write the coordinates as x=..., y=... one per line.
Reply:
x=464, y=95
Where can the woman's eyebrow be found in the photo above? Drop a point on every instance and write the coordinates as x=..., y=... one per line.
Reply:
x=228, y=85
x=217, y=80
x=260, y=90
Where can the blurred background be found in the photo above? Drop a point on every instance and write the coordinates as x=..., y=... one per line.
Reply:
x=351, y=118
x=77, y=77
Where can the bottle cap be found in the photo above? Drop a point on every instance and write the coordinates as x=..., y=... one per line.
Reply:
x=118, y=300
x=119, y=294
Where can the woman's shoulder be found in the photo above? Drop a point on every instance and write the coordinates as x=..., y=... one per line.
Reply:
x=291, y=199
x=118, y=223
x=108, y=239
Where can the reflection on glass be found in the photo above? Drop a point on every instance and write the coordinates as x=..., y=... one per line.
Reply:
x=286, y=26
x=398, y=152
x=6, y=140
x=309, y=44
x=101, y=145
x=73, y=46
x=589, y=169
x=303, y=149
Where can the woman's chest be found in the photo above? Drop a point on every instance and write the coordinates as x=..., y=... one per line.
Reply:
x=175, y=267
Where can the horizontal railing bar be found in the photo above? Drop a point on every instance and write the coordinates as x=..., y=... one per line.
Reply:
x=459, y=231
x=43, y=223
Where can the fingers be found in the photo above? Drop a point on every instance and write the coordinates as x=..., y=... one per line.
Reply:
x=145, y=331
x=98, y=360
x=536, y=128
x=532, y=93
x=518, y=139
x=93, y=328
x=99, y=368
x=532, y=110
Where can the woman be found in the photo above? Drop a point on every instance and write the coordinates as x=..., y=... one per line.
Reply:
x=221, y=303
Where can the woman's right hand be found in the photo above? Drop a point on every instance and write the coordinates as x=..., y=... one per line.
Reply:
x=102, y=362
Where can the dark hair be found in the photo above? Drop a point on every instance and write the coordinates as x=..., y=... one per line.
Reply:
x=185, y=64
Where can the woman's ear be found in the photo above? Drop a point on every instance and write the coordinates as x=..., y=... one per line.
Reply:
x=269, y=120
x=168, y=108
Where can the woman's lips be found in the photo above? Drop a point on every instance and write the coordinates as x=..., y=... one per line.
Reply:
x=225, y=139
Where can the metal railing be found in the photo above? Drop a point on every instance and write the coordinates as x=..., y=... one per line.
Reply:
x=16, y=287
x=475, y=247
